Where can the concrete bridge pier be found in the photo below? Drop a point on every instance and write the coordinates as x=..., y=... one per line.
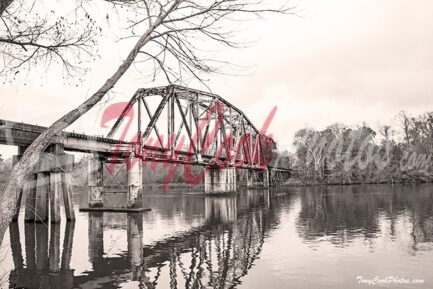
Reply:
x=220, y=180
x=100, y=182
x=260, y=178
x=43, y=186
x=135, y=186
x=95, y=183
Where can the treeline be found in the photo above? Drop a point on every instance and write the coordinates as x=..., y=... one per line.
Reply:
x=340, y=154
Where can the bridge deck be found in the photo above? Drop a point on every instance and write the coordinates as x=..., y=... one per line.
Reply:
x=23, y=134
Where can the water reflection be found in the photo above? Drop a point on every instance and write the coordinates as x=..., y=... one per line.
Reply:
x=216, y=254
x=305, y=237
x=345, y=213
x=44, y=267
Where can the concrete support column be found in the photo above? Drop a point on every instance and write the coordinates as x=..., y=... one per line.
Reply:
x=135, y=186
x=95, y=183
x=220, y=180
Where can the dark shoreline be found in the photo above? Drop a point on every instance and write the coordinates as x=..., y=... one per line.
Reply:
x=299, y=183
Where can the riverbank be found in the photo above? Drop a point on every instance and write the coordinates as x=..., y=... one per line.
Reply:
x=414, y=177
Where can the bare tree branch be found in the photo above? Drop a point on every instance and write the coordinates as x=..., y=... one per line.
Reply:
x=172, y=31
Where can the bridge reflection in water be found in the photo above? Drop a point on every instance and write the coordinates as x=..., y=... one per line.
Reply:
x=44, y=266
x=193, y=241
x=216, y=253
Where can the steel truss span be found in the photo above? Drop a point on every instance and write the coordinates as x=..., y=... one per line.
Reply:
x=179, y=124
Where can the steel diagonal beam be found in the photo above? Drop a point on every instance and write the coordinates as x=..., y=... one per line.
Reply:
x=208, y=107
x=256, y=149
x=150, y=117
x=123, y=114
x=156, y=116
x=206, y=132
x=205, y=110
x=114, y=176
x=170, y=116
x=194, y=112
x=241, y=134
x=221, y=130
x=179, y=130
x=186, y=126
x=245, y=146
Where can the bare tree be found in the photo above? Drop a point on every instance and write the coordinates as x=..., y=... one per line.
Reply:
x=30, y=36
x=4, y=4
x=386, y=132
x=406, y=124
x=168, y=29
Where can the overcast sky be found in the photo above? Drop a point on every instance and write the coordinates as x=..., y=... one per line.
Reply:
x=338, y=61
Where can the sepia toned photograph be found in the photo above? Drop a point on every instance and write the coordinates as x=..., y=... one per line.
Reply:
x=187, y=144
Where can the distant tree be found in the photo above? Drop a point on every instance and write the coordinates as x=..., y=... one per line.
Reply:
x=406, y=123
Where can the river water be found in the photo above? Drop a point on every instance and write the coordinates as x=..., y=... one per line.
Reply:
x=320, y=237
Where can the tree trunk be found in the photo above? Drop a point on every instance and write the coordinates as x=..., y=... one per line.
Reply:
x=31, y=154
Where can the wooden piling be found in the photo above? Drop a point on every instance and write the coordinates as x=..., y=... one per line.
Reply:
x=41, y=203
x=67, y=196
x=55, y=187
x=30, y=192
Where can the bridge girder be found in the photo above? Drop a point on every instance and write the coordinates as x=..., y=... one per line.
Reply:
x=200, y=125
